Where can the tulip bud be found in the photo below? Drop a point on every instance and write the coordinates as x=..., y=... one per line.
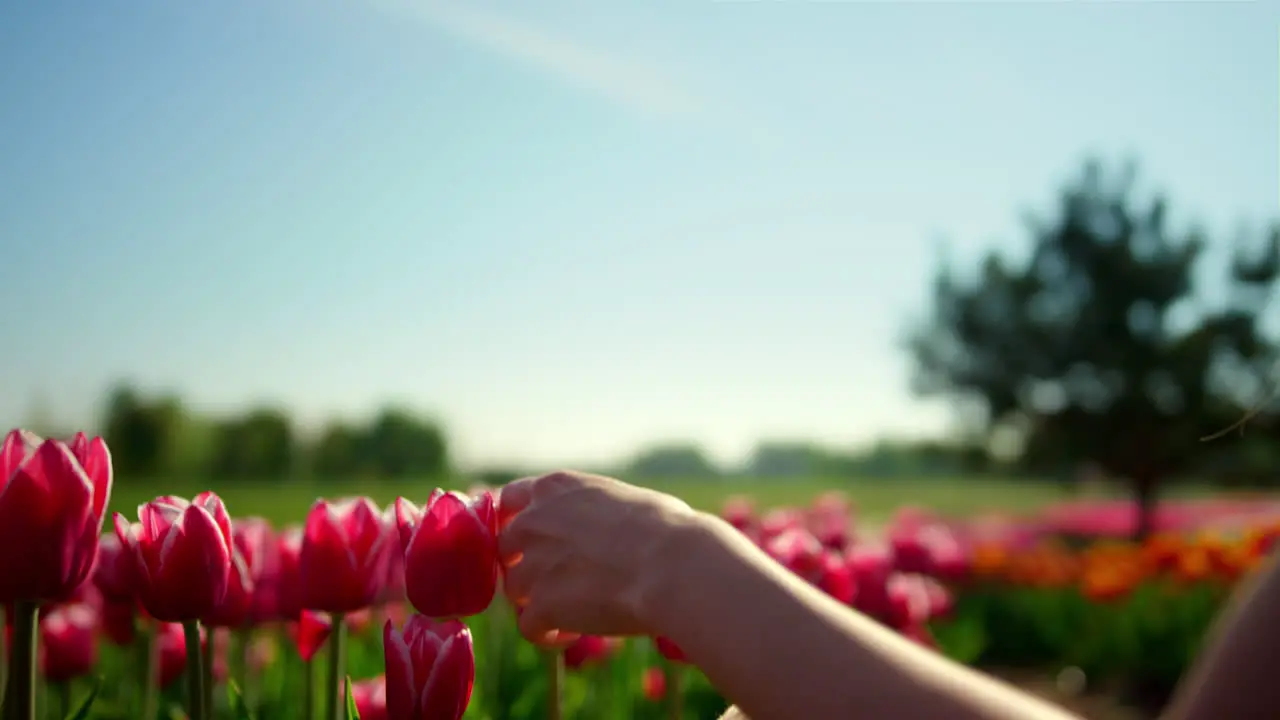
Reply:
x=52, y=499
x=450, y=553
x=182, y=555
x=68, y=645
x=344, y=556
x=430, y=669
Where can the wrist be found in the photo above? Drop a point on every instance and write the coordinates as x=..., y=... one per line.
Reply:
x=681, y=559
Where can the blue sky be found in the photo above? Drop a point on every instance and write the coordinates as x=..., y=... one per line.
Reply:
x=569, y=228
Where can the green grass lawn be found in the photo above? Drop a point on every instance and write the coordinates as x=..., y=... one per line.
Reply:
x=283, y=502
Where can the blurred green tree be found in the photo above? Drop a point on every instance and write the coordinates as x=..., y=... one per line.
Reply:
x=1097, y=347
x=676, y=460
x=259, y=444
x=145, y=435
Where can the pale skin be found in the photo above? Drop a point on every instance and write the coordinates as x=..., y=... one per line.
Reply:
x=585, y=554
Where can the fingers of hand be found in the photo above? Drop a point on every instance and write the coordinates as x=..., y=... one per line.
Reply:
x=514, y=497
x=518, y=580
x=537, y=626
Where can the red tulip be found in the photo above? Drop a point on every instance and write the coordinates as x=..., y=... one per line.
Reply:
x=311, y=632
x=450, y=553
x=283, y=598
x=182, y=555
x=52, y=499
x=68, y=646
x=172, y=655
x=654, y=684
x=371, y=698
x=670, y=650
x=431, y=668
x=344, y=556
x=588, y=650
x=113, y=571
x=740, y=512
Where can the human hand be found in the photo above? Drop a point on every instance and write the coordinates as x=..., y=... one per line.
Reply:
x=582, y=553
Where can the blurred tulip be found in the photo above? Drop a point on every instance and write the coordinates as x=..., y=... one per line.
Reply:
x=284, y=594
x=371, y=698
x=52, y=499
x=182, y=555
x=113, y=571
x=836, y=578
x=450, y=553
x=797, y=550
x=118, y=621
x=588, y=650
x=172, y=656
x=739, y=512
x=311, y=632
x=254, y=539
x=430, y=669
x=262, y=653
x=359, y=621
x=778, y=520
x=344, y=556
x=653, y=683
x=68, y=646
x=669, y=650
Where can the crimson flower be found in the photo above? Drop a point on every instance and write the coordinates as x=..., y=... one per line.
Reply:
x=344, y=556
x=450, y=553
x=182, y=555
x=52, y=499
x=431, y=668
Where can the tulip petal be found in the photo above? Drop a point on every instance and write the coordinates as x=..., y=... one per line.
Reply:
x=447, y=690
x=401, y=689
x=408, y=516
x=96, y=461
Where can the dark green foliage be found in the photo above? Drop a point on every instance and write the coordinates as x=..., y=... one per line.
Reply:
x=1097, y=347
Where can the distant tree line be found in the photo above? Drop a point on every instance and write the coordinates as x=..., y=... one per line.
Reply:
x=157, y=436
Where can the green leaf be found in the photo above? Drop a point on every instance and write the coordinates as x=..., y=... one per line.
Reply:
x=238, y=706
x=352, y=713
x=82, y=712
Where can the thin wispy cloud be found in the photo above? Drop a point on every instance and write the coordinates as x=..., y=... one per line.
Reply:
x=640, y=86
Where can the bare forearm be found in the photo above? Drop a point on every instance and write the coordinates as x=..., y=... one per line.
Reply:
x=781, y=649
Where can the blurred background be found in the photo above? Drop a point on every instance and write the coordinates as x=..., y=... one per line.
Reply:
x=975, y=258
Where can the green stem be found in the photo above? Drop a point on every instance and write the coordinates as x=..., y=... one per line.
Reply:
x=675, y=689
x=335, y=703
x=20, y=695
x=149, y=650
x=241, y=647
x=308, y=689
x=62, y=691
x=206, y=666
x=195, y=673
x=555, y=683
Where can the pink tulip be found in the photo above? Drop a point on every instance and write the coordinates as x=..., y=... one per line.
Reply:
x=430, y=669
x=450, y=553
x=172, y=655
x=52, y=499
x=236, y=606
x=68, y=644
x=371, y=698
x=182, y=555
x=739, y=512
x=344, y=556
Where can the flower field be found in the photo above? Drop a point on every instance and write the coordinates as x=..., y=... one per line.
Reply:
x=196, y=608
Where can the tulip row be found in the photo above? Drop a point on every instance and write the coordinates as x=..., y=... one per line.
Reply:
x=187, y=564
